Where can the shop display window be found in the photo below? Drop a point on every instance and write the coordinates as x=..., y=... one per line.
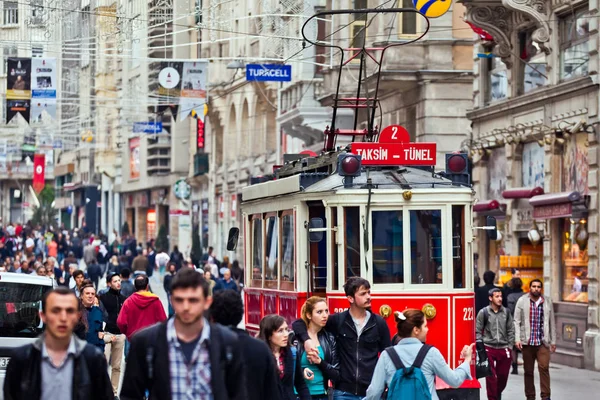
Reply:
x=575, y=260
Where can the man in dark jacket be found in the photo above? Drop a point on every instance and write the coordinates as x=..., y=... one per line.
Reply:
x=183, y=346
x=127, y=288
x=94, y=272
x=482, y=293
x=365, y=335
x=115, y=340
x=227, y=309
x=58, y=365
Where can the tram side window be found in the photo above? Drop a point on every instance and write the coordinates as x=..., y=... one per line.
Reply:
x=458, y=246
x=388, y=266
x=288, y=263
x=271, y=253
x=352, y=240
x=257, y=253
x=426, y=246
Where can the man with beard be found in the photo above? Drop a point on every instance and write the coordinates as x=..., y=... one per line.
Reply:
x=535, y=336
x=361, y=335
x=186, y=356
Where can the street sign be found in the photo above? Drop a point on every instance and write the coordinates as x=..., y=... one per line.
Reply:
x=147, y=127
x=394, y=134
x=268, y=72
x=383, y=154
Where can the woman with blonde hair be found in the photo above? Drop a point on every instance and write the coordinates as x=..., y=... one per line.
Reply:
x=321, y=365
x=412, y=331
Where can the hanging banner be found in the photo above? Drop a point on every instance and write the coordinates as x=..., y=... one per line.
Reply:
x=134, y=158
x=43, y=87
x=39, y=166
x=14, y=107
x=200, y=134
x=18, y=79
x=169, y=79
x=182, y=87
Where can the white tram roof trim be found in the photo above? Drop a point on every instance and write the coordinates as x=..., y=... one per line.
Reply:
x=291, y=184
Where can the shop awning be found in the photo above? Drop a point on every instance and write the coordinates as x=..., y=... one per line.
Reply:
x=522, y=192
x=489, y=207
x=559, y=205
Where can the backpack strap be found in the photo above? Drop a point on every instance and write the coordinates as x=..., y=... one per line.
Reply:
x=486, y=317
x=391, y=352
x=421, y=356
x=294, y=356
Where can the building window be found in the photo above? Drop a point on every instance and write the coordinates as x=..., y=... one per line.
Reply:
x=575, y=260
x=11, y=13
x=408, y=22
x=574, y=54
x=534, y=65
x=37, y=51
x=7, y=52
x=37, y=12
x=497, y=80
x=359, y=30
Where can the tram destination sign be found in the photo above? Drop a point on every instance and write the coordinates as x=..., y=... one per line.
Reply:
x=390, y=154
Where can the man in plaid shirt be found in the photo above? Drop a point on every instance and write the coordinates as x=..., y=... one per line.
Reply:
x=535, y=333
x=186, y=357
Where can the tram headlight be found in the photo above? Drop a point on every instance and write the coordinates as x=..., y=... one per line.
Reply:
x=349, y=164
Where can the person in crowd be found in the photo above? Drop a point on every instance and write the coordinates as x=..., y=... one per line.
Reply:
x=140, y=263
x=209, y=278
x=167, y=285
x=61, y=275
x=535, y=332
x=151, y=261
x=113, y=265
x=25, y=268
x=476, y=281
x=78, y=278
x=93, y=315
x=227, y=309
x=183, y=345
x=115, y=340
x=89, y=253
x=496, y=329
x=53, y=248
x=40, y=271
x=141, y=309
x=482, y=293
x=162, y=261
x=274, y=332
x=321, y=366
x=237, y=273
x=508, y=288
x=517, y=293
x=365, y=335
x=94, y=272
x=127, y=288
x=52, y=367
x=226, y=283
x=71, y=260
x=177, y=258
x=412, y=329
x=224, y=265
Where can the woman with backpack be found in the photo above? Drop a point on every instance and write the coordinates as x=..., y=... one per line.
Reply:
x=428, y=362
x=511, y=302
x=321, y=365
x=274, y=332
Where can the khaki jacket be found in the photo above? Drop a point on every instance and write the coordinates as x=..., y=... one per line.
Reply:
x=523, y=327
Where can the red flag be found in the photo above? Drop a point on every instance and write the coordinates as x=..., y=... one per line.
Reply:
x=39, y=166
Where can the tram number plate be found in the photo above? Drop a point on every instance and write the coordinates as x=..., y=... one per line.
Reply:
x=4, y=362
x=468, y=314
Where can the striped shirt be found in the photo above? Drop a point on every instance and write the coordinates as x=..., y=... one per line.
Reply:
x=536, y=321
x=190, y=380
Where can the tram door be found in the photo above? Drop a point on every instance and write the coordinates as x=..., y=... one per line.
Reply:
x=317, y=268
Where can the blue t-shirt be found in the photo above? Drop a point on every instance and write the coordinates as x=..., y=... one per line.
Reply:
x=315, y=386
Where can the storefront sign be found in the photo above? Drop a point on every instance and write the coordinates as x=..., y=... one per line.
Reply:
x=522, y=217
x=134, y=158
x=561, y=210
x=141, y=199
x=182, y=189
x=158, y=196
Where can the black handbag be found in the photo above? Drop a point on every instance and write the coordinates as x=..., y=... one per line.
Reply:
x=482, y=364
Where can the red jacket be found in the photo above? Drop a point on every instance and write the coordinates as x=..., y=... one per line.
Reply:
x=140, y=310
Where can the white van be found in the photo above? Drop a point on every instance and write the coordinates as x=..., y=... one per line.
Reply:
x=20, y=306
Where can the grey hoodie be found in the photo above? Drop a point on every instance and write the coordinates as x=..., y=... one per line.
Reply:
x=499, y=332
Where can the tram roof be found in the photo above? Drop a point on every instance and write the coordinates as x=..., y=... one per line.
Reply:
x=398, y=178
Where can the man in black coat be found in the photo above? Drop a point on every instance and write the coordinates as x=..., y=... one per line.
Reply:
x=482, y=293
x=227, y=309
x=58, y=363
x=161, y=356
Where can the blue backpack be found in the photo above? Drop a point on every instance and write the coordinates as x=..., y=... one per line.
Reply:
x=408, y=383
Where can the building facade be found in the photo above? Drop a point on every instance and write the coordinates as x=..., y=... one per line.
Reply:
x=535, y=151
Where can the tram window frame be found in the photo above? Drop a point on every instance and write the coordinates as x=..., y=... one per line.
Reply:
x=372, y=246
x=360, y=243
x=256, y=283
x=335, y=257
x=291, y=284
x=443, y=216
x=271, y=283
x=461, y=262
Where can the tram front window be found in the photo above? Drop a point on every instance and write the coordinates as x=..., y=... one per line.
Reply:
x=271, y=253
x=353, y=230
x=257, y=237
x=388, y=266
x=426, y=246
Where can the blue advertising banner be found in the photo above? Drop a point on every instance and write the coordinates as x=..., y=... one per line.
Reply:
x=147, y=127
x=268, y=72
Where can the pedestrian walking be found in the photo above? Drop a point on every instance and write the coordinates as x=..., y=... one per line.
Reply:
x=185, y=357
x=227, y=309
x=412, y=351
x=364, y=334
x=517, y=293
x=77, y=280
x=226, y=283
x=161, y=261
x=321, y=366
x=54, y=366
x=127, y=288
x=535, y=331
x=482, y=292
x=167, y=286
x=151, y=261
x=496, y=329
x=94, y=272
x=93, y=315
x=275, y=333
x=140, y=263
x=115, y=340
x=141, y=309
